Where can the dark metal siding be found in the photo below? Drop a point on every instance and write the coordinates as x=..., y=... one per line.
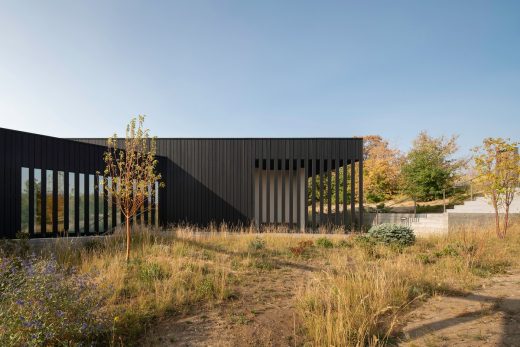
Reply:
x=207, y=180
x=211, y=180
x=20, y=149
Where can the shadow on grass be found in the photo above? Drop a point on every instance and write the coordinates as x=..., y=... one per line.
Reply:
x=509, y=307
x=274, y=256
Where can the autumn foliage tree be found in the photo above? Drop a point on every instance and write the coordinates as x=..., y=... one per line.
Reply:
x=132, y=170
x=498, y=167
x=381, y=169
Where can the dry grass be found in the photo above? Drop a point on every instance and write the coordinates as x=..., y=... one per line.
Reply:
x=355, y=299
x=360, y=296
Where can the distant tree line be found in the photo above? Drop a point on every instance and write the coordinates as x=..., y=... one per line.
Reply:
x=428, y=171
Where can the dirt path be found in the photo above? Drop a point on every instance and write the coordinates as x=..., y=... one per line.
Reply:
x=263, y=314
x=487, y=317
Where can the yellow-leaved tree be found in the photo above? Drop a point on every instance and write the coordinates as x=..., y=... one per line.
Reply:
x=498, y=165
x=133, y=169
x=381, y=169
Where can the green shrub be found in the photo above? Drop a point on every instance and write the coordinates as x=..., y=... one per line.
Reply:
x=345, y=244
x=256, y=244
x=41, y=304
x=367, y=244
x=324, y=242
x=449, y=250
x=206, y=289
x=149, y=272
x=392, y=234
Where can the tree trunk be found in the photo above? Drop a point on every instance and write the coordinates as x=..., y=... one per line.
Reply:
x=497, y=219
x=497, y=222
x=506, y=220
x=127, y=239
x=414, y=207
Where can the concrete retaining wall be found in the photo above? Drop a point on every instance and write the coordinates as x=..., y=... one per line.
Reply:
x=481, y=220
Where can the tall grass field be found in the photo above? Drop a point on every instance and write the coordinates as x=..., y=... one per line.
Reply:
x=356, y=297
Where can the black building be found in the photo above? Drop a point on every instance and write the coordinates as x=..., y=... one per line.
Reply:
x=47, y=184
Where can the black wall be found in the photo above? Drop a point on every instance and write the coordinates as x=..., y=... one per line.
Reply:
x=20, y=149
x=211, y=180
x=207, y=180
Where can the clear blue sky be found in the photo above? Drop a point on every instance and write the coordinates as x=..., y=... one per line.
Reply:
x=262, y=68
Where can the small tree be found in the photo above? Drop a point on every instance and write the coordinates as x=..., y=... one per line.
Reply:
x=133, y=171
x=498, y=166
x=429, y=168
x=381, y=169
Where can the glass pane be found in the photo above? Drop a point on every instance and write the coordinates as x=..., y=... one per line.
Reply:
x=119, y=215
x=37, y=201
x=149, y=204
x=25, y=201
x=72, y=206
x=109, y=197
x=48, y=202
x=101, y=209
x=81, y=208
x=91, y=207
x=61, y=201
x=157, y=203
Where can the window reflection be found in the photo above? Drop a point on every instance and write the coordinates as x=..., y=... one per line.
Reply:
x=101, y=210
x=156, y=203
x=48, y=202
x=71, y=202
x=37, y=201
x=25, y=201
x=149, y=204
x=81, y=207
x=61, y=201
x=85, y=223
x=91, y=204
x=109, y=198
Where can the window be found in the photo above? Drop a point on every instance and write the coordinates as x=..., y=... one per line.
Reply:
x=149, y=204
x=102, y=196
x=81, y=208
x=37, y=201
x=48, y=201
x=61, y=202
x=109, y=198
x=91, y=204
x=156, y=204
x=25, y=201
x=72, y=206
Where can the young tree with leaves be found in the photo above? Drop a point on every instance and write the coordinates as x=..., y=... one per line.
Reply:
x=498, y=165
x=429, y=168
x=133, y=172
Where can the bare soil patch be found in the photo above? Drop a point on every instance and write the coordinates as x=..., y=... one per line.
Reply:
x=489, y=316
x=263, y=313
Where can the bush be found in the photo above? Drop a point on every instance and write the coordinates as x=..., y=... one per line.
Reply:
x=324, y=242
x=392, y=234
x=43, y=305
x=256, y=244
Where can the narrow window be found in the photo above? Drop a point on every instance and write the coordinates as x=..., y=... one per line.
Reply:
x=37, y=201
x=71, y=202
x=48, y=202
x=101, y=209
x=61, y=202
x=156, y=203
x=81, y=208
x=109, y=197
x=91, y=203
x=25, y=201
x=149, y=205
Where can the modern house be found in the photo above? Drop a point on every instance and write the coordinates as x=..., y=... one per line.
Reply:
x=48, y=185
